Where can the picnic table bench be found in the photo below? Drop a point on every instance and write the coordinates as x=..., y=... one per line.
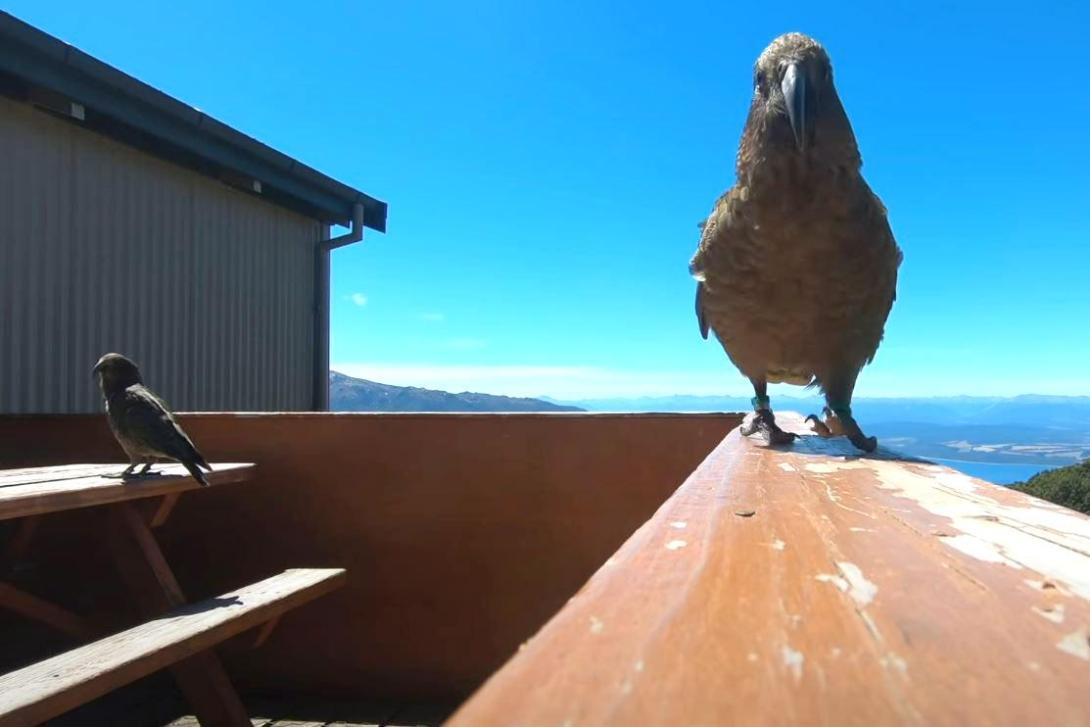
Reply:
x=177, y=635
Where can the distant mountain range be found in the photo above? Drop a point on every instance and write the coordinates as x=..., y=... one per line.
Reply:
x=350, y=394
x=1002, y=440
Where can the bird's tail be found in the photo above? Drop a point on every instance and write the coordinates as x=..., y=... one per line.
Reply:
x=196, y=472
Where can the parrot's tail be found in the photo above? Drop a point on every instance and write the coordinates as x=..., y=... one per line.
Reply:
x=196, y=472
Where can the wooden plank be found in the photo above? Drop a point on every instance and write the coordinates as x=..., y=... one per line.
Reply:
x=17, y=544
x=38, y=609
x=807, y=584
x=49, y=688
x=163, y=510
x=89, y=485
x=201, y=677
x=265, y=632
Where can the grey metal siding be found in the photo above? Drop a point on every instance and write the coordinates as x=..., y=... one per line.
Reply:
x=104, y=248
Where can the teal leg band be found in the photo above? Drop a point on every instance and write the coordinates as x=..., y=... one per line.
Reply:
x=761, y=402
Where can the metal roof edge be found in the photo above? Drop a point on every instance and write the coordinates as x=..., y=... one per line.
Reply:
x=124, y=107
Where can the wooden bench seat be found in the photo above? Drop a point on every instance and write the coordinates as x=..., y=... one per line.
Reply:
x=51, y=687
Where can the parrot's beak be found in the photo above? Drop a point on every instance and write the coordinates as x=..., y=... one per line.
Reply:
x=796, y=91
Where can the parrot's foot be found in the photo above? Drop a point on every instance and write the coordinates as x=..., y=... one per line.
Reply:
x=835, y=426
x=764, y=421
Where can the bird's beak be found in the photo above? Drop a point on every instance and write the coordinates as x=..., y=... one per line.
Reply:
x=795, y=92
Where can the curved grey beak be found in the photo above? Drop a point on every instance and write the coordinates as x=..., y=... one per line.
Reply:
x=795, y=92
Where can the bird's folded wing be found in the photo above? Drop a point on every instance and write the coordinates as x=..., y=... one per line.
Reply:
x=149, y=421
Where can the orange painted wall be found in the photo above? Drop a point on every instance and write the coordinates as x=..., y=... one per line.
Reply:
x=462, y=534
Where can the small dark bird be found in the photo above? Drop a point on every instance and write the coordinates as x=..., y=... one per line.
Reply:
x=797, y=267
x=142, y=422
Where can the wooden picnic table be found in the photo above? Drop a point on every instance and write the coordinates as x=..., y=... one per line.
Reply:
x=29, y=494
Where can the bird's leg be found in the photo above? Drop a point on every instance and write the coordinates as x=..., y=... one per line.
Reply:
x=146, y=471
x=127, y=472
x=763, y=420
x=838, y=413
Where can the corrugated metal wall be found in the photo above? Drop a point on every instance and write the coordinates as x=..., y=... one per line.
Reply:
x=104, y=248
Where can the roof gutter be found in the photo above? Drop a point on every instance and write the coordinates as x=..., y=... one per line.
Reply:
x=321, y=302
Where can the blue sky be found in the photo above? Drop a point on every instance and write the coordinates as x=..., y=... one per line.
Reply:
x=546, y=164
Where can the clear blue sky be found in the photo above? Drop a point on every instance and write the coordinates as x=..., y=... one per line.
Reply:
x=546, y=164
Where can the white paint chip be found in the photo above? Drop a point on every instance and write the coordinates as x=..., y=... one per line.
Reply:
x=1076, y=643
x=778, y=544
x=596, y=625
x=787, y=467
x=1054, y=613
x=676, y=545
x=851, y=581
x=837, y=581
x=895, y=662
x=679, y=524
x=860, y=589
x=638, y=666
x=980, y=549
x=751, y=657
x=821, y=468
x=793, y=660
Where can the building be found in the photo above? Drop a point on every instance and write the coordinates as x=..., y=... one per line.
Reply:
x=132, y=222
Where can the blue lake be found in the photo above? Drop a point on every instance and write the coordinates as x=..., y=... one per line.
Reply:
x=1001, y=473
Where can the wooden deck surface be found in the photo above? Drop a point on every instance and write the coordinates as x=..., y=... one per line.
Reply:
x=808, y=585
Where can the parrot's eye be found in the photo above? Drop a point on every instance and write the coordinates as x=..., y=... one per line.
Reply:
x=758, y=81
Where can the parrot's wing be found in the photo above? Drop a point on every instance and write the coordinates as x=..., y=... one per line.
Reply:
x=700, y=319
x=148, y=421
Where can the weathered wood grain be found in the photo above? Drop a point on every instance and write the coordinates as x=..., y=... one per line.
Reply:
x=43, y=690
x=37, y=491
x=808, y=585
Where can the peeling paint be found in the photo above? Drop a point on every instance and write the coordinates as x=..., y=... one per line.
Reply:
x=679, y=524
x=751, y=657
x=787, y=467
x=833, y=497
x=895, y=662
x=821, y=468
x=1038, y=535
x=793, y=660
x=778, y=544
x=980, y=549
x=851, y=581
x=1055, y=613
x=863, y=530
x=676, y=545
x=1076, y=643
x=861, y=590
x=638, y=666
x=596, y=625
x=834, y=579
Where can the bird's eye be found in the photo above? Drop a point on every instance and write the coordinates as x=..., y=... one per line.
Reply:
x=758, y=81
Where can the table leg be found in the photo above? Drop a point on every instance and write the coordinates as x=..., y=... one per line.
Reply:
x=152, y=584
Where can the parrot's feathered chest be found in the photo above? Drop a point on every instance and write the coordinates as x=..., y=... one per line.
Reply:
x=798, y=269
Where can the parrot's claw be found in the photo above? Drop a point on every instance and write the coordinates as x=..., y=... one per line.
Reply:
x=831, y=427
x=764, y=421
x=835, y=426
x=818, y=427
